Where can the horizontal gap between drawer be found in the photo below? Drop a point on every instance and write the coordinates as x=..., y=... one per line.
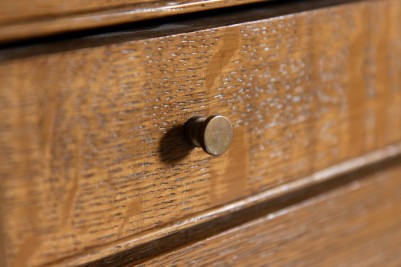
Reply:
x=139, y=248
x=53, y=23
x=161, y=27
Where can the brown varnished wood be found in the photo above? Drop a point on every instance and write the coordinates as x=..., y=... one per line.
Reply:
x=220, y=219
x=22, y=19
x=354, y=225
x=162, y=26
x=90, y=138
x=24, y=10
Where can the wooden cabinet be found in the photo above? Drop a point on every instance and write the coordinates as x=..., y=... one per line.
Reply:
x=95, y=168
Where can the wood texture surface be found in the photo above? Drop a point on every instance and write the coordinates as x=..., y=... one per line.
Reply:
x=25, y=10
x=221, y=219
x=355, y=225
x=22, y=19
x=91, y=147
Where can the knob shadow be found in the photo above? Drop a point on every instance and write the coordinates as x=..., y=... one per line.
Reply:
x=173, y=147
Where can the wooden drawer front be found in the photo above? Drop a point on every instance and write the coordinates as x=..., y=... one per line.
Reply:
x=355, y=225
x=90, y=150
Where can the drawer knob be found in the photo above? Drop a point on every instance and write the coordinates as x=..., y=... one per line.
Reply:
x=214, y=134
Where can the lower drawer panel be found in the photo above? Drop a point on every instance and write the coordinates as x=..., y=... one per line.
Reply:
x=358, y=224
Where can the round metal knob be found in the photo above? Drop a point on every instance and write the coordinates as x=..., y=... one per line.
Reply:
x=214, y=134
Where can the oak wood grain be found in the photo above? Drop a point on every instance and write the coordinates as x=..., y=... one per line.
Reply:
x=354, y=225
x=25, y=10
x=90, y=139
x=240, y=212
x=22, y=19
